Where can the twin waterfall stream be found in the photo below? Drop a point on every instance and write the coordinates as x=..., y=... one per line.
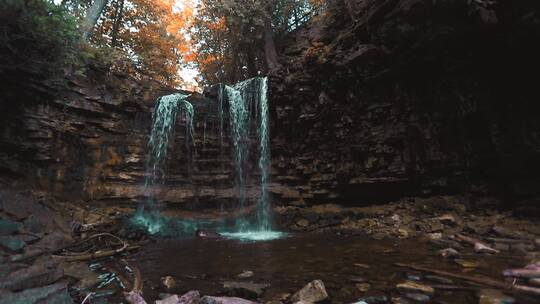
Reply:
x=247, y=105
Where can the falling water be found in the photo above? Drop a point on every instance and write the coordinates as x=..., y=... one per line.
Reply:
x=164, y=119
x=247, y=99
x=248, y=116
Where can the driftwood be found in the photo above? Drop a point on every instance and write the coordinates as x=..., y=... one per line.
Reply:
x=85, y=256
x=483, y=280
x=135, y=295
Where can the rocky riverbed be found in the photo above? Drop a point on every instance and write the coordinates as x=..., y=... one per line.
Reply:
x=411, y=251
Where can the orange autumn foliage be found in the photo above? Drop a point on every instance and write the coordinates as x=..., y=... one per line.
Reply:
x=151, y=36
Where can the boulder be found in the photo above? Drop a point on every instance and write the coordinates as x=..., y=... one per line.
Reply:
x=8, y=227
x=55, y=293
x=191, y=297
x=39, y=274
x=13, y=243
x=313, y=292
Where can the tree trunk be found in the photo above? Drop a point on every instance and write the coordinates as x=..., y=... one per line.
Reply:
x=92, y=16
x=269, y=45
x=117, y=21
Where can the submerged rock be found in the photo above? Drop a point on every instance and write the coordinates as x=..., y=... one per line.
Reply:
x=418, y=297
x=449, y=253
x=244, y=289
x=373, y=300
x=207, y=234
x=363, y=287
x=482, y=248
x=467, y=263
x=313, y=292
x=246, y=274
x=492, y=296
x=224, y=300
x=168, y=281
x=414, y=287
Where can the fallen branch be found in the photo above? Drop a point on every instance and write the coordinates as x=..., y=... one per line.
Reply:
x=135, y=295
x=476, y=279
x=74, y=257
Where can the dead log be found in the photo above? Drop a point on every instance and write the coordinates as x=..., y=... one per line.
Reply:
x=482, y=280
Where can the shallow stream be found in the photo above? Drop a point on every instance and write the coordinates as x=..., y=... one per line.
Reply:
x=287, y=264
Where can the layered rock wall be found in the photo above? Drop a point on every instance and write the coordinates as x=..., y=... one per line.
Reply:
x=379, y=100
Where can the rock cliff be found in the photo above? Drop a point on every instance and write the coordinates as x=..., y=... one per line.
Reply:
x=375, y=101
x=378, y=100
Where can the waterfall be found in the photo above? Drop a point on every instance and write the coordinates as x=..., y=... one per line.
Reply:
x=263, y=207
x=248, y=100
x=163, y=122
x=248, y=118
x=164, y=118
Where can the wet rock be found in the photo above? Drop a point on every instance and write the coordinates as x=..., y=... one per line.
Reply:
x=418, y=297
x=492, y=296
x=224, y=300
x=529, y=271
x=439, y=279
x=448, y=219
x=363, y=287
x=55, y=293
x=518, y=248
x=303, y=223
x=434, y=236
x=508, y=233
x=168, y=282
x=9, y=227
x=39, y=274
x=414, y=287
x=246, y=274
x=482, y=248
x=357, y=279
x=400, y=300
x=134, y=297
x=361, y=265
x=207, y=234
x=501, y=246
x=478, y=228
x=403, y=233
x=313, y=292
x=467, y=263
x=449, y=253
x=54, y=241
x=191, y=297
x=414, y=277
x=373, y=299
x=13, y=243
x=244, y=289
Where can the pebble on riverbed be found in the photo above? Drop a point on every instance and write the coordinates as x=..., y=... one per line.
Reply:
x=168, y=281
x=246, y=274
